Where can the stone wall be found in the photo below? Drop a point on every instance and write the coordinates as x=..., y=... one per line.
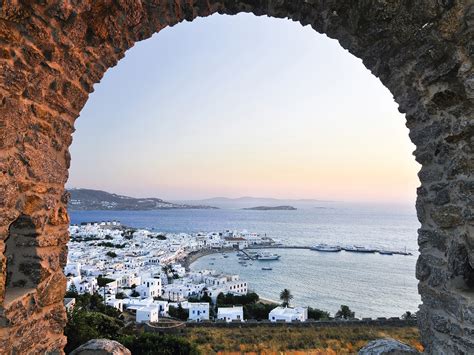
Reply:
x=52, y=52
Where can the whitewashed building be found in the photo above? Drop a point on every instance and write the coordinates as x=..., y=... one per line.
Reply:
x=198, y=311
x=288, y=314
x=148, y=314
x=72, y=269
x=114, y=302
x=150, y=287
x=230, y=314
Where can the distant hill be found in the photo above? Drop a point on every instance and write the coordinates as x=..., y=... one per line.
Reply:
x=248, y=202
x=87, y=199
x=268, y=208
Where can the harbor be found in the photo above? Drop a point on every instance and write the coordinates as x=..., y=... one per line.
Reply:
x=333, y=248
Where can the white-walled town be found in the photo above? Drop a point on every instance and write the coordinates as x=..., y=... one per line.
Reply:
x=145, y=273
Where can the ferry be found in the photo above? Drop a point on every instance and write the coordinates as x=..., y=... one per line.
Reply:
x=358, y=249
x=267, y=256
x=326, y=248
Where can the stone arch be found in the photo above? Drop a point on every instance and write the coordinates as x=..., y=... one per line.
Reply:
x=53, y=52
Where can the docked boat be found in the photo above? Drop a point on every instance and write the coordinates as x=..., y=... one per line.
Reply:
x=267, y=268
x=267, y=257
x=326, y=248
x=358, y=249
x=385, y=252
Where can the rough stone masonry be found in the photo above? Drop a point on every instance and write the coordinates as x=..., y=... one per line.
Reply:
x=52, y=53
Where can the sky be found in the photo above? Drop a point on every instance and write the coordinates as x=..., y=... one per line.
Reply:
x=243, y=106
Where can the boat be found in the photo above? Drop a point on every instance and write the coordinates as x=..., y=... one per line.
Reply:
x=242, y=262
x=267, y=257
x=326, y=248
x=358, y=249
x=267, y=268
x=385, y=252
x=225, y=256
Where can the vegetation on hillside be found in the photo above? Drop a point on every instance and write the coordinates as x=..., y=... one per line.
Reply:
x=92, y=319
x=314, y=340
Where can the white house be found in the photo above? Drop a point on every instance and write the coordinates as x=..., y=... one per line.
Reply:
x=198, y=311
x=163, y=307
x=150, y=287
x=114, y=302
x=147, y=314
x=73, y=269
x=69, y=304
x=229, y=314
x=288, y=314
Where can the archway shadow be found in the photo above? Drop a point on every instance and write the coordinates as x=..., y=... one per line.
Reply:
x=23, y=269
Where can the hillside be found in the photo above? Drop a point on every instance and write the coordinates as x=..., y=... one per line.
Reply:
x=87, y=199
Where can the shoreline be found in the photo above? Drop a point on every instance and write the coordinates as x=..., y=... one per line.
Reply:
x=192, y=257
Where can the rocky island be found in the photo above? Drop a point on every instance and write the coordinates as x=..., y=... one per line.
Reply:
x=271, y=208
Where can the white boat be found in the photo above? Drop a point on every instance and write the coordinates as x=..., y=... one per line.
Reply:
x=267, y=256
x=326, y=248
x=358, y=249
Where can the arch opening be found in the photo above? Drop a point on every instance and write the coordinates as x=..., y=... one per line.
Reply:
x=161, y=106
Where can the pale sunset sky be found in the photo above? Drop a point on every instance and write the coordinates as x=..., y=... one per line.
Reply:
x=243, y=106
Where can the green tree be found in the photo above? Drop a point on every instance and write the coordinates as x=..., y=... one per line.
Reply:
x=317, y=314
x=72, y=291
x=285, y=297
x=111, y=254
x=258, y=311
x=178, y=312
x=408, y=315
x=83, y=326
x=345, y=313
x=155, y=344
x=120, y=296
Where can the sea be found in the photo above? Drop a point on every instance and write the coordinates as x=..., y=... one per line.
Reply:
x=372, y=285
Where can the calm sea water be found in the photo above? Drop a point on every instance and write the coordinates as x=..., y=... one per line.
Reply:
x=372, y=285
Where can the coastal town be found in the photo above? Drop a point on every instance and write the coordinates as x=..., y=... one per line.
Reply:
x=146, y=274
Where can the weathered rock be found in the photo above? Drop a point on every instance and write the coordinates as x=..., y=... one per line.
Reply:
x=101, y=347
x=53, y=52
x=386, y=347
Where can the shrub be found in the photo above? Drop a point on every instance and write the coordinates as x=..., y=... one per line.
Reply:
x=151, y=344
